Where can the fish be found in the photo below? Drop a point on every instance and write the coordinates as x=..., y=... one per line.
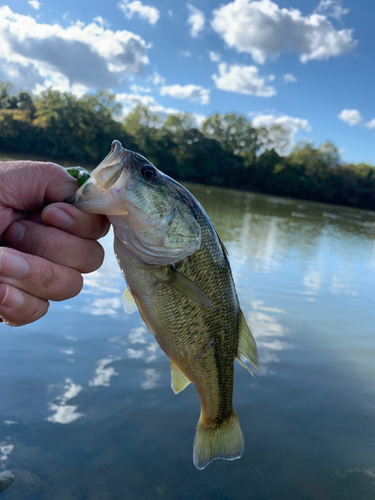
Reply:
x=179, y=278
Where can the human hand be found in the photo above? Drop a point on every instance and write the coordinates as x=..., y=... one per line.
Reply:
x=49, y=243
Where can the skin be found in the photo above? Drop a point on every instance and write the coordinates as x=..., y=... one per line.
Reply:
x=46, y=244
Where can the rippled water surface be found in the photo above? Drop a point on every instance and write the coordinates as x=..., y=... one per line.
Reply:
x=86, y=408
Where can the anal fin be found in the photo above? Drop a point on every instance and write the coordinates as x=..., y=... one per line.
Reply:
x=246, y=348
x=178, y=380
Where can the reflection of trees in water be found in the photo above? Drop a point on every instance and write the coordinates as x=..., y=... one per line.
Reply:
x=253, y=221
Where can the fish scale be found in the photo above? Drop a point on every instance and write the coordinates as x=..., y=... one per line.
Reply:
x=179, y=276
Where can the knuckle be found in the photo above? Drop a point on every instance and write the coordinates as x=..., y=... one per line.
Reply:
x=33, y=241
x=48, y=277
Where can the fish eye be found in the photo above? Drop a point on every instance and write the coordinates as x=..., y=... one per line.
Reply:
x=149, y=173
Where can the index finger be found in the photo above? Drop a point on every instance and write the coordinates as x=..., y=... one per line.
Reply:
x=74, y=221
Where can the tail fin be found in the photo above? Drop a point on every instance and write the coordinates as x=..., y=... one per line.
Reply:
x=225, y=441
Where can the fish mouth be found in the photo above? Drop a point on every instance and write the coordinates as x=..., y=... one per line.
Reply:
x=108, y=179
x=109, y=170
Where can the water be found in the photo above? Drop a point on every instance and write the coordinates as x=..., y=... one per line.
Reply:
x=86, y=408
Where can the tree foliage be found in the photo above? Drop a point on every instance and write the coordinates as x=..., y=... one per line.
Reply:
x=226, y=151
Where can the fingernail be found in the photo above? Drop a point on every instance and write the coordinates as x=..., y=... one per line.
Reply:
x=14, y=233
x=60, y=219
x=13, y=298
x=12, y=265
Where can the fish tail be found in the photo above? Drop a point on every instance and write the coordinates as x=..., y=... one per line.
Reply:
x=225, y=441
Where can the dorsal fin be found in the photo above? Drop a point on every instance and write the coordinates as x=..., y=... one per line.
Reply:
x=246, y=347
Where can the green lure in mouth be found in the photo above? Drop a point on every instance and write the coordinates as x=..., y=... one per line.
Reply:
x=79, y=173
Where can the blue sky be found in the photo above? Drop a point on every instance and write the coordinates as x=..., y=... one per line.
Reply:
x=307, y=65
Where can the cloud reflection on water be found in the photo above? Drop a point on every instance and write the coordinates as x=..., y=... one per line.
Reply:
x=103, y=373
x=106, y=306
x=268, y=332
x=152, y=376
x=5, y=450
x=65, y=414
x=342, y=283
x=148, y=350
x=6, y=476
x=313, y=281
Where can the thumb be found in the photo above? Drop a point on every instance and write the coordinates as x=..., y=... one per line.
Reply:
x=29, y=185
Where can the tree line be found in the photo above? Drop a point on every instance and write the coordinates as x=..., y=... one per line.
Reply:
x=225, y=151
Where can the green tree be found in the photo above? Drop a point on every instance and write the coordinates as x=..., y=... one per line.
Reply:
x=6, y=89
x=234, y=133
x=26, y=103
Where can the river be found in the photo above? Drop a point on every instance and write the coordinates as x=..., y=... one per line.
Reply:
x=86, y=408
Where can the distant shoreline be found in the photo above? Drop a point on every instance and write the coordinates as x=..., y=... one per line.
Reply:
x=4, y=156
x=11, y=156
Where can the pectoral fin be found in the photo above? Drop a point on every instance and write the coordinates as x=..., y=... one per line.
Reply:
x=188, y=288
x=178, y=380
x=128, y=302
x=246, y=348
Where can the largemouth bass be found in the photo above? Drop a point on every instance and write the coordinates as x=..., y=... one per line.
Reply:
x=178, y=275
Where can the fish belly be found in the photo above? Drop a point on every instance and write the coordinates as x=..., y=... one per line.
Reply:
x=201, y=343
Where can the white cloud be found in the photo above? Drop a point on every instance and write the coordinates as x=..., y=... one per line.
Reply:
x=22, y=76
x=263, y=29
x=243, y=79
x=138, y=88
x=77, y=57
x=214, y=56
x=289, y=78
x=350, y=116
x=101, y=21
x=157, y=79
x=198, y=120
x=185, y=53
x=332, y=8
x=284, y=138
x=150, y=14
x=371, y=124
x=34, y=4
x=193, y=93
x=196, y=20
x=130, y=101
x=289, y=122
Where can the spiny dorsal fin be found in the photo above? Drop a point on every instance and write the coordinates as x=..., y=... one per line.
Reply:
x=128, y=302
x=246, y=348
x=178, y=380
x=188, y=288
